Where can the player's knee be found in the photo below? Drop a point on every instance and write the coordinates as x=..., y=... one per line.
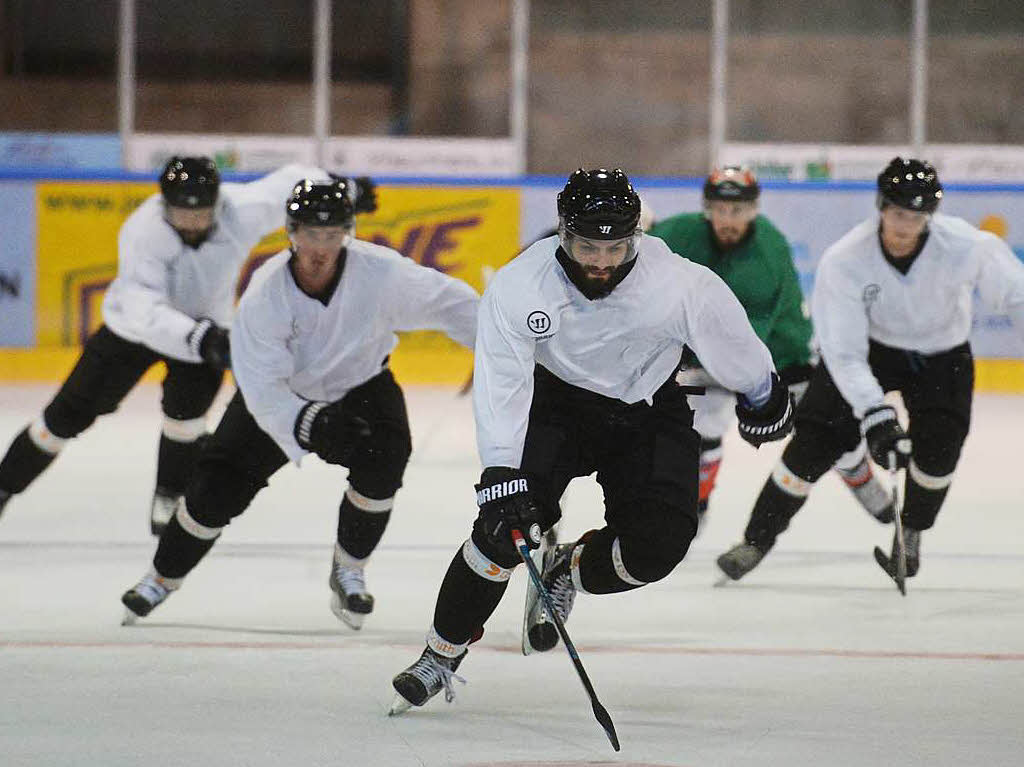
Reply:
x=657, y=562
x=937, y=444
x=814, y=449
x=189, y=390
x=66, y=419
x=652, y=559
x=378, y=472
x=217, y=493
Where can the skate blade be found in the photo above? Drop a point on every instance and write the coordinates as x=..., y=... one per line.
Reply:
x=130, y=618
x=353, y=620
x=398, y=706
x=722, y=581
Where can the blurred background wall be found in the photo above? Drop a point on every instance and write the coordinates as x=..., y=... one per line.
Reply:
x=457, y=106
x=622, y=82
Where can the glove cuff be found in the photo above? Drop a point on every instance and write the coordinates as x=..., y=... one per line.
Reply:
x=304, y=423
x=196, y=335
x=876, y=416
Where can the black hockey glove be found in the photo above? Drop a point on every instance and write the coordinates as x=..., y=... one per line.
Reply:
x=506, y=503
x=331, y=430
x=770, y=422
x=362, y=192
x=366, y=195
x=884, y=435
x=212, y=343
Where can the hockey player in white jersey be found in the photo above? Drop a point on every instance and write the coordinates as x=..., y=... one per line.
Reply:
x=310, y=349
x=892, y=309
x=179, y=258
x=578, y=344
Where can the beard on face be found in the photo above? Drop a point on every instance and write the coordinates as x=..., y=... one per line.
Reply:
x=729, y=235
x=193, y=238
x=596, y=282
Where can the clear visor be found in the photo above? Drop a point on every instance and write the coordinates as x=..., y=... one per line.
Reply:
x=599, y=255
x=305, y=237
x=737, y=210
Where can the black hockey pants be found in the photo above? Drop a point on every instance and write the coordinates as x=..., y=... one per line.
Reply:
x=937, y=390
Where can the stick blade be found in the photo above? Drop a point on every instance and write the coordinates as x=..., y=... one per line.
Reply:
x=893, y=572
x=603, y=717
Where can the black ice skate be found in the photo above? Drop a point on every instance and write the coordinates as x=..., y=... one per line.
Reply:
x=739, y=560
x=541, y=632
x=165, y=505
x=146, y=595
x=350, y=601
x=424, y=679
x=868, y=491
x=4, y=498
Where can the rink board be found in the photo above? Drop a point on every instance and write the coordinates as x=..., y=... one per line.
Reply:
x=59, y=253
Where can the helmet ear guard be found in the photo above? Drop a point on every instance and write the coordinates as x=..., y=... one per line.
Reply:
x=911, y=184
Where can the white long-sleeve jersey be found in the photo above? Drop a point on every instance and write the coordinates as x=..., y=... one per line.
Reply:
x=163, y=286
x=859, y=296
x=288, y=349
x=623, y=346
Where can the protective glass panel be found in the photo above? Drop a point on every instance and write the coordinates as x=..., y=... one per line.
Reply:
x=58, y=65
x=819, y=71
x=619, y=84
x=975, y=66
x=207, y=67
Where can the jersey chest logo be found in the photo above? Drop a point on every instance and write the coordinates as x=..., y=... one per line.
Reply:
x=870, y=294
x=538, y=322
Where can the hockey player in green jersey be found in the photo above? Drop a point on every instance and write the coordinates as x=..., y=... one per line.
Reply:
x=745, y=249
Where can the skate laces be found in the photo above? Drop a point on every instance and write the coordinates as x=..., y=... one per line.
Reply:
x=745, y=553
x=435, y=674
x=560, y=587
x=563, y=595
x=350, y=579
x=150, y=589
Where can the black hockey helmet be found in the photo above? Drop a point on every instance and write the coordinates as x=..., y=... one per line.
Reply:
x=599, y=205
x=321, y=203
x=190, y=182
x=911, y=184
x=732, y=183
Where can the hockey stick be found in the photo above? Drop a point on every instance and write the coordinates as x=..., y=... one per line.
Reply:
x=600, y=713
x=900, y=576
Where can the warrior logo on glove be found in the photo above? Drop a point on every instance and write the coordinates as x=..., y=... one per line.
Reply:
x=500, y=490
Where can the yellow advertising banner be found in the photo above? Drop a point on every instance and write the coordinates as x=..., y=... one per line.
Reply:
x=76, y=256
x=464, y=231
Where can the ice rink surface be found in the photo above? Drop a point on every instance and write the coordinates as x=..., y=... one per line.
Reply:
x=814, y=659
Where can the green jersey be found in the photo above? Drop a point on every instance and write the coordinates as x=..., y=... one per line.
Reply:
x=760, y=272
